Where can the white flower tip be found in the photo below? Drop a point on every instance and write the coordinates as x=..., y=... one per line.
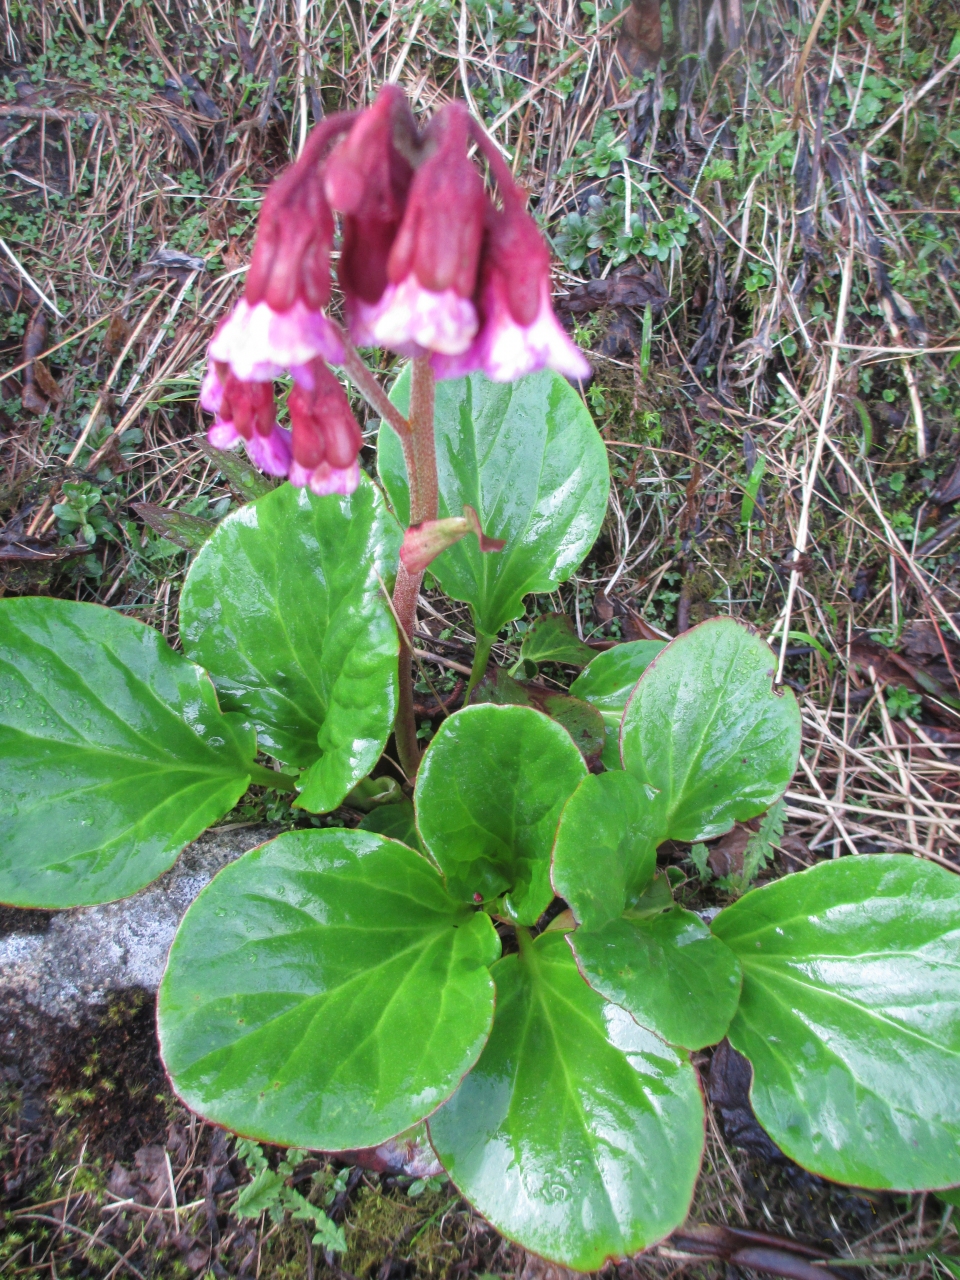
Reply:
x=259, y=344
x=409, y=313
x=325, y=480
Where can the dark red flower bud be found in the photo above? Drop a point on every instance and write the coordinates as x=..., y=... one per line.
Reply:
x=367, y=178
x=291, y=258
x=439, y=239
x=248, y=405
x=518, y=253
x=432, y=268
x=326, y=437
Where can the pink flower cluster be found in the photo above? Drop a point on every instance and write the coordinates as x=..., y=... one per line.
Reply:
x=430, y=266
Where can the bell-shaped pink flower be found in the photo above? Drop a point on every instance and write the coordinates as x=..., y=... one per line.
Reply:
x=433, y=263
x=326, y=436
x=245, y=411
x=279, y=322
x=366, y=180
x=259, y=344
x=520, y=332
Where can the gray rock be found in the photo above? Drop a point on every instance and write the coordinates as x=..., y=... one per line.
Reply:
x=62, y=963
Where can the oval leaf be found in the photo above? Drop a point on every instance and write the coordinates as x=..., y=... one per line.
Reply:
x=535, y=431
x=608, y=683
x=552, y=639
x=707, y=730
x=489, y=794
x=850, y=1015
x=284, y=608
x=665, y=968
x=577, y=1134
x=605, y=852
x=325, y=991
x=114, y=754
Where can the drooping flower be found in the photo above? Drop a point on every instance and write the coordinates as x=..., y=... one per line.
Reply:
x=245, y=411
x=260, y=344
x=326, y=436
x=367, y=178
x=519, y=333
x=279, y=322
x=432, y=268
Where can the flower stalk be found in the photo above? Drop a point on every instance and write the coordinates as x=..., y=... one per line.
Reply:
x=419, y=453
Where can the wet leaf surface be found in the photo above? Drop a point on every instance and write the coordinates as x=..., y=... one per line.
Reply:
x=578, y=1133
x=325, y=991
x=284, y=608
x=850, y=1015
x=114, y=753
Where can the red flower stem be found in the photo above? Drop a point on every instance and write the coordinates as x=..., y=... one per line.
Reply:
x=370, y=388
x=420, y=455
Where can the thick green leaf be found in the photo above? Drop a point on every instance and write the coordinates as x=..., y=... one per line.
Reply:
x=606, y=848
x=577, y=1134
x=528, y=458
x=114, y=754
x=489, y=794
x=850, y=1015
x=635, y=946
x=284, y=608
x=396, y=821
x=552, y=639
x=706, y=728
x=666, y=969
x=325, y=991
x=608, y=683
x=583, y=722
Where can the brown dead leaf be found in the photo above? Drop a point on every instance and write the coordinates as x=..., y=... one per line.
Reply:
x=152, y=1176
x=796, y=850
x=630, y=286
x=640, y=42
x=726, y=855
x=118, y=331
x=47, y=382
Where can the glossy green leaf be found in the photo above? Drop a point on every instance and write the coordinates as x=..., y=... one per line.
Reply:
x=666, y=969
x=488, y=797
x=706, y=728
x=583, y=722
x=528, y=458
x=396, y=821
x=850, y=1015
x=607, y=684
x=606, y=848
x=325, y=991
x=114, y=754
x=284, y=608
x=635, y=946
x=552, y=639
x=578, y=1133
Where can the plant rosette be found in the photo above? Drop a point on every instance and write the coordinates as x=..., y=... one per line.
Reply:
x=334, y=988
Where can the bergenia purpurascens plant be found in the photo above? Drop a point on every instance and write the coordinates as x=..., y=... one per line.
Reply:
x=499, y=959
x=430, y=267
